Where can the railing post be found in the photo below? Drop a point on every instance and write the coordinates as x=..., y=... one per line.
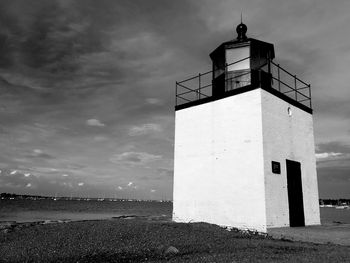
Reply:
x=310, y=96
x=199, y=86
x=278, y=73
x=295, y=87
x=176, y=94
x=226, y=80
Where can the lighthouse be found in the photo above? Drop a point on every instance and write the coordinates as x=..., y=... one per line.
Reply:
x=244, y=144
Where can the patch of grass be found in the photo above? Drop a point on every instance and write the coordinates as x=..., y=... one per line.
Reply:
x=134, y=240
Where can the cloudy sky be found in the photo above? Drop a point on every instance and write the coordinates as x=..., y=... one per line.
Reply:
x=87, y=87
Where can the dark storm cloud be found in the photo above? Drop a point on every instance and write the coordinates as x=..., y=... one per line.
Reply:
x=72, y=45
x=41, y=43
x=45, y=35
x=7, y=26
x=65, y=52
x=19, y=101
x=44, y=45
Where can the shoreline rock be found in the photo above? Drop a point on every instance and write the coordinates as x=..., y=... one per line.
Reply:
x=9, y=226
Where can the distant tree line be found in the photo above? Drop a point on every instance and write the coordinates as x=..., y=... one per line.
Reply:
x=334, y=201
x=16, y=196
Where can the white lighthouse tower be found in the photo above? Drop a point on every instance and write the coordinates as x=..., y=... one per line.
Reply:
x=244, y=143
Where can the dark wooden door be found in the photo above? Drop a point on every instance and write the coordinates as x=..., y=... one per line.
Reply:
x=295, y=194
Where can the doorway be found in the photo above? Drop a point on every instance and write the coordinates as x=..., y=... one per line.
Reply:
x=295, y=194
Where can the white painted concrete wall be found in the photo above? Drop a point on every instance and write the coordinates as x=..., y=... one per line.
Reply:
x=218, y=169
x=288, y=137
x=223, y=154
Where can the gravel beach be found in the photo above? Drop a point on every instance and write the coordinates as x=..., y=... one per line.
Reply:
x=134, y=239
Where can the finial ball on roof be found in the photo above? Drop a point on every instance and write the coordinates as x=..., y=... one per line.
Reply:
x=241, y=31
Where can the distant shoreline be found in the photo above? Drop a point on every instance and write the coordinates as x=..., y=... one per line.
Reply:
x=11, y=196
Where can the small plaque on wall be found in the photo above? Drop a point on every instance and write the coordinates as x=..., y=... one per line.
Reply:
x=276, y=167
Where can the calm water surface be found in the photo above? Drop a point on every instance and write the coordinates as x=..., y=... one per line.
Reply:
x=39, y=210
x=332, y=215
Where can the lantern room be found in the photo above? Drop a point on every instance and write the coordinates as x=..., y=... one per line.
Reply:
x=236, y=63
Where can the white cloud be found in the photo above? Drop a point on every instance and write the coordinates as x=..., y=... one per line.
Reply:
x=153, y=101
x=134, y=158
x=152, y=190
x=327, y=155
x=37, y=151
x=65, y=175
x=120, y=188
x=29, y=185
x=13, y=172
x=95, y=122
x=27, y=174
x=145, y=129
x=40, y=153
x=81, y=184
x=132, y=185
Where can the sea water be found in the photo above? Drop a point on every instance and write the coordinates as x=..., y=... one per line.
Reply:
x=333, y=215
x=24, y=210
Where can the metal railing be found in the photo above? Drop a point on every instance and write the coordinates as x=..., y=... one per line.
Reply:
x=201, y=86
x=186, y=93
x=290, y=85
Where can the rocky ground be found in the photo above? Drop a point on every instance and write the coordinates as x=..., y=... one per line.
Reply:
x=133, y=239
